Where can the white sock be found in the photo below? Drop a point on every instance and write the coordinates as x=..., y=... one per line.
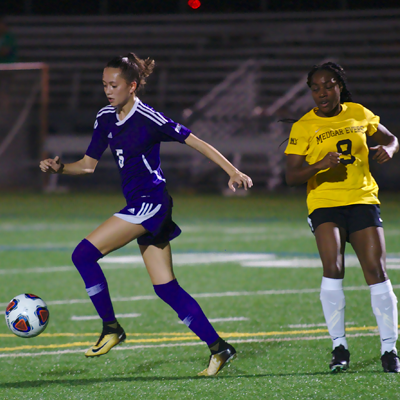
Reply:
x=384, y=306
x=333, y=305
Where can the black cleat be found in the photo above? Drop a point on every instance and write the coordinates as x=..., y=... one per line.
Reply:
x=340, y=359
x=390, y=362
x=218, y=361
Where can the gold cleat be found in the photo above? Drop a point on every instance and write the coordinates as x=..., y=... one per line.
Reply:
x=218, y=361
x=109, y=338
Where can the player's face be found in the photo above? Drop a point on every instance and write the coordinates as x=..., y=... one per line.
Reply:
x=116, y=88
x=325, y=90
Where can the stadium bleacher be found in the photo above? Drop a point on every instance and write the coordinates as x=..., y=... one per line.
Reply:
x=195, y=53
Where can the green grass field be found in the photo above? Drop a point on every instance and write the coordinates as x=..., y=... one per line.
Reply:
x=252, y=264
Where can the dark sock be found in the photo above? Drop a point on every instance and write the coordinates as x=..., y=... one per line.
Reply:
x=188, y=310
x=113, y=324
x=218, y=346
x=85, y=258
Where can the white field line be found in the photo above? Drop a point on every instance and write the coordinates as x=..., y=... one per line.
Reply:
x=254, y=260
x=153, y=346
x=90, y=317
x=393, y=263
x=197, y=258
x=229, y=319
x=38, y=246
x=233, y=230
x=127, y=262
x=222, y=238
x=322, y=324
x=350, y=261
x=7, y=227
x=66, y=268
x=208, y=295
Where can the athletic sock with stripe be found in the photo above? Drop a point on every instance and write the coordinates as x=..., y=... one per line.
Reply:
x=85, y=258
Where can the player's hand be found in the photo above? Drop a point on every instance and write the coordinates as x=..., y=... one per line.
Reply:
x=383, y=153
x=50, y=165
x=241, y=180
x=331, y=160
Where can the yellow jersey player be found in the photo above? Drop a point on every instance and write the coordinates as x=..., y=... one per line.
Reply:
x=328, y=149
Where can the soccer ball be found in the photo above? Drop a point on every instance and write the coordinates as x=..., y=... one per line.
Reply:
x=27, y=315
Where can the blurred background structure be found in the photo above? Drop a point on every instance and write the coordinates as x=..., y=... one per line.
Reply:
x=229, y=70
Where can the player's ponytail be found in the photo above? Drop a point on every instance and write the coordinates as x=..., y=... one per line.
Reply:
x=345, y=95
x=133, y=68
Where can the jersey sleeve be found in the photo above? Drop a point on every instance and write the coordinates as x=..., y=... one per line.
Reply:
x=298, y=141
x=99, y=142
x=373, y=121
x=173, y=132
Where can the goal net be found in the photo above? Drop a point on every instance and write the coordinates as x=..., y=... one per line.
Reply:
x=24, y=89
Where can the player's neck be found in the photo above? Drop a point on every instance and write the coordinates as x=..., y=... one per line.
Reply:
x=124, y=110
x=333, y=113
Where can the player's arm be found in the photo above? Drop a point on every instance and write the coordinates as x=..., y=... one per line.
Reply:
x=214, y=155
x=388, y=144
x=299, y=172
x=86, y=165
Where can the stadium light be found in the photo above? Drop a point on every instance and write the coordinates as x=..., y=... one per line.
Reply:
x=195, y=4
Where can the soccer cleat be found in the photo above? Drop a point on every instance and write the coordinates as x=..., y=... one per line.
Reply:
x=390, y=362
x=109, y=338
x=218, y=361
x=340, y=359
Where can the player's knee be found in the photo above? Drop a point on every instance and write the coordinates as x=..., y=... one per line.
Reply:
x=333, y=272
x=85, y=253
x=375, y=274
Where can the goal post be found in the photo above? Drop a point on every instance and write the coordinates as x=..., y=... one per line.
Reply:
x=24, y=123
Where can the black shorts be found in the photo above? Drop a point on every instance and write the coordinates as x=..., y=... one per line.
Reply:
x=352, y=218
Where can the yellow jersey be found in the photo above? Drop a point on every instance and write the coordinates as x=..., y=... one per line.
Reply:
x=351, y=181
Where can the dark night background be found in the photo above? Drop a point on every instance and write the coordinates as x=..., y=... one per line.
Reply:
x=88, y=7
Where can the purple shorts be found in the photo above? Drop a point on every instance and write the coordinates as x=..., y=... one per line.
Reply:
x=155, y=215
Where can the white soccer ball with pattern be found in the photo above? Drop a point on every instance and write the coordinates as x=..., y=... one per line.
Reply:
x=27, y=315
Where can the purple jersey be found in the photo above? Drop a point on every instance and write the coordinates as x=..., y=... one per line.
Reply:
x=135, y=145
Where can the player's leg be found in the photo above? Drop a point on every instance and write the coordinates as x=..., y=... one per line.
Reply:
x=369, y=245
x=158, y=261
x=331, y=241
x=111, y=235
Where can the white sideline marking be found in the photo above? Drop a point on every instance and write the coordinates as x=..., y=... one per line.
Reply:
x=37, y=270
x=350, y=261
x=254, y=260
x=208, y=295
x=90, y=317
x=229, y=319
x=122, y=260
x=322, y=324
x=43, y=227
x=153, y=346
x=127, y=262
x=67, y=268
x=195, y=258
x=234, y=230
x=290, y=263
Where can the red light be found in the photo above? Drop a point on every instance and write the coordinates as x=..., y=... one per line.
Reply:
x=194, y=4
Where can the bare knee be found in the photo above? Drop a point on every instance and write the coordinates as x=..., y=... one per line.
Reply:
x=333, y=271
x=375, y=274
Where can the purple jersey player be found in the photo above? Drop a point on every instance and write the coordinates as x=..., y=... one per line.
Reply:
x=134, y=132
